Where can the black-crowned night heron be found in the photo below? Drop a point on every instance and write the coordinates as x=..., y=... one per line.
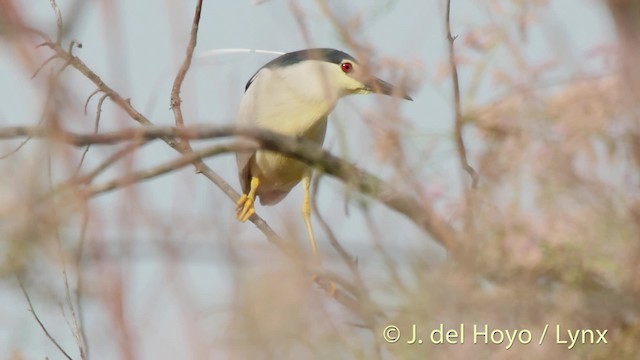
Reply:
x=293, y=95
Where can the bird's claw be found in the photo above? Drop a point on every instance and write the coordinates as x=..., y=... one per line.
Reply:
x=245, y=208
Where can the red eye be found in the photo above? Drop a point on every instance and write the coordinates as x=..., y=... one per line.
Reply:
x=346, y=67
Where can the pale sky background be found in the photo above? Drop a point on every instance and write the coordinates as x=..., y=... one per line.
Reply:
x=142, y=66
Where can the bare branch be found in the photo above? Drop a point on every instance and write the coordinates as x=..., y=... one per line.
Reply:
x=462, y=152
x=87, y=178
x=176, y=101
x=181, y=162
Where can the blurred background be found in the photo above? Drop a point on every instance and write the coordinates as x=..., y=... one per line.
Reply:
x=161, y=269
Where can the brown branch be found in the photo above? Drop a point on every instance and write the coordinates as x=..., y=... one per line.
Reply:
x=87, y=178
x=462, y=152
x=170, y=166
x=44, y=63
x=176, y=101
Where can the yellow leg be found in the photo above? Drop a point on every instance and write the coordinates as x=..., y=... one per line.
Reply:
x=245, y=205
x=306, y=211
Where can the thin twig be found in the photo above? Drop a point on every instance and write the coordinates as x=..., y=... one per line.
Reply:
x=44, y=63
x=90, y=176
x=86, y=103
x=96, y=126
x=44, y=328
x=16, y=149
x=462, y=152
x=176, y=101
x=87, y=178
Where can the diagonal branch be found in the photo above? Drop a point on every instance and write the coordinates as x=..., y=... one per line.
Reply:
x=170, y=166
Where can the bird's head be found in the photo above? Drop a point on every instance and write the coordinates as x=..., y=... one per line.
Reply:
x=329, y=70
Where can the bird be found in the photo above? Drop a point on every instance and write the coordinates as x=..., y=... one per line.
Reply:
x=293, y=95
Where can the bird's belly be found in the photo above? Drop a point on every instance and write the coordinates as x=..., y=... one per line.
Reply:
x=277, y=172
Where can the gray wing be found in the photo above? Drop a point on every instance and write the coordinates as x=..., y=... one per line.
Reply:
x=246, y=117
x=243, y=159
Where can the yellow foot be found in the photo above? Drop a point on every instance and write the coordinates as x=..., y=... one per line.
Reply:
x=245, y=205
x=244, y=208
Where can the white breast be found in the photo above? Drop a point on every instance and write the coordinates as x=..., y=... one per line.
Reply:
x=288, y=101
